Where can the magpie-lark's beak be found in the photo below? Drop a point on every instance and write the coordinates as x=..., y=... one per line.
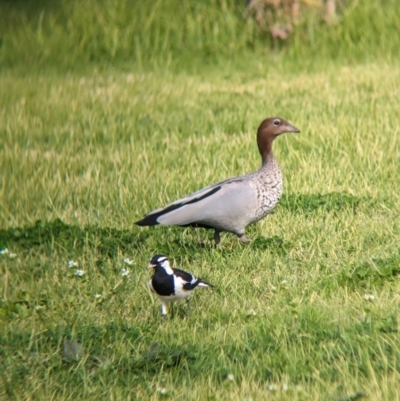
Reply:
x=151, y=266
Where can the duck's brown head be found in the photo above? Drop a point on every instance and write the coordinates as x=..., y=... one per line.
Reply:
x=268, y=130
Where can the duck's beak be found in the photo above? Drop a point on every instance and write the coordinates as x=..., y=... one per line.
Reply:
x=292, y=128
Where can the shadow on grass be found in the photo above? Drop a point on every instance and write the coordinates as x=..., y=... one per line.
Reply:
x=330, y=202
x=57, y=235
x=274, y=245
x=268, y=354
x=371, y=273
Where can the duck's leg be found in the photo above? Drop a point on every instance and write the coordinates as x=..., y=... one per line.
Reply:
x=217, y=237
x=244, y=239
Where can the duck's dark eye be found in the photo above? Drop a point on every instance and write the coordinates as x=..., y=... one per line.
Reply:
x=277, y=122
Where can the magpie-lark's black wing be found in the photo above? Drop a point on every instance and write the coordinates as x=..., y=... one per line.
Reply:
x=191, y=281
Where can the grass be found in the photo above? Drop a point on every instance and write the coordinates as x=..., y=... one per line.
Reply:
x=102, y=122
x=307, y=311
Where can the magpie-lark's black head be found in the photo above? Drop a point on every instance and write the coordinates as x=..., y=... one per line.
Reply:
x=160, y=262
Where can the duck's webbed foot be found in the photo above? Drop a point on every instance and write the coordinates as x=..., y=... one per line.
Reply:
x=244, y=239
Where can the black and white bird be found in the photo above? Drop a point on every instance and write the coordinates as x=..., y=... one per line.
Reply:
x=171, y=284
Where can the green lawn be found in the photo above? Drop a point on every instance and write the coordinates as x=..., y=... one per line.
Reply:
x=307, y=311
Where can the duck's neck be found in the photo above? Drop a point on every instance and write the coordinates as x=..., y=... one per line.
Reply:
x=267, y=158
x=265, y=147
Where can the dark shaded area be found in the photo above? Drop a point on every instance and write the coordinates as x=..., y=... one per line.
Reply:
x=372, y=273
x=330, y=202
x=57, y=235
x=355, y=396
x=14, y=13
x=275, y=245
x=365, y=345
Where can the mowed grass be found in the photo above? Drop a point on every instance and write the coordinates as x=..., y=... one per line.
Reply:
x=307, y=311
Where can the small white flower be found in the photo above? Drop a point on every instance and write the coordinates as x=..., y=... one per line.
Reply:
x=230, y=377
x=79, y=273
x=5, y=251
x=125, y=273
x=161, y=390
x=251, y=312
x=38, y=307
x=285, y=387
x=71, y=263
x=129, y=262
x=272, y=387
x=97, y=296
x=273, y=288
x=284, y=282
x=368, y=297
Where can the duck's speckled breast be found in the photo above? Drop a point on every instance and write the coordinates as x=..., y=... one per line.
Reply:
x=269, y=184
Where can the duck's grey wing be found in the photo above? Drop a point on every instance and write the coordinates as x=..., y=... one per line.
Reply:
x=151, y=218
x=225, y=206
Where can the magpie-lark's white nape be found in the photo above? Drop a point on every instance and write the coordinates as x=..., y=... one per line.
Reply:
x=171, y=284
x=161, y=262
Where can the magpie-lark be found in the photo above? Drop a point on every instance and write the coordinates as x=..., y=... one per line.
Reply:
x=172, y=284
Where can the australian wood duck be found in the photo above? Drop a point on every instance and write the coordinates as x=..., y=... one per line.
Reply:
x=233, y=204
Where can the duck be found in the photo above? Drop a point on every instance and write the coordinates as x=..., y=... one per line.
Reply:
x=172, y=284
x=231, y=205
